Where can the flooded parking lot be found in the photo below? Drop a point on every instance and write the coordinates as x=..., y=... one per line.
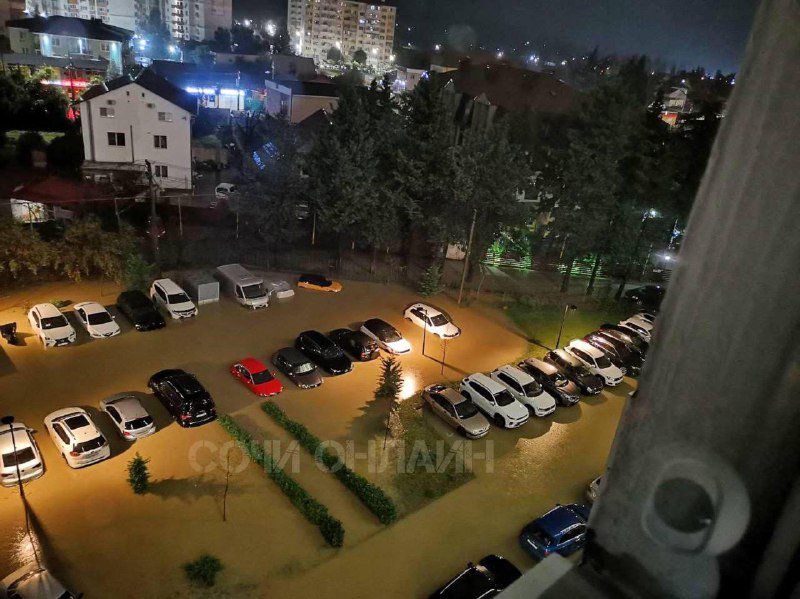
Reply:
x=105, y=541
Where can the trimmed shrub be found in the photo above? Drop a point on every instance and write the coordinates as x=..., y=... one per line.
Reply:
x=203, y=571
x=390, y=382
x=371, y=495
x=316, y=513
x=139, y=474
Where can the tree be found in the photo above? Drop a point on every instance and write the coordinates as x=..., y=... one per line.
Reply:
x=360, y=56
x=86, y=250
x=137, y=273
x=334, y=54
x=431, y=281
x=203, y=571
x=22, y=250
x=27, y=143
x=65, y=153
x=390, y=382
x=139, y=474
x=222, y=39
x=156, y=36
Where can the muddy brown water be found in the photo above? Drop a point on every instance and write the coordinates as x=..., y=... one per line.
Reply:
x=103, y=540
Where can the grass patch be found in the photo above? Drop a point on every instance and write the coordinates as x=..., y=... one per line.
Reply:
x=372, y=496
x=540, y=322
x=331, y=529
x=48, y=136
x=419, y=483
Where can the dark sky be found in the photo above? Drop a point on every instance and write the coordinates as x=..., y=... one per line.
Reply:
x=709, y=33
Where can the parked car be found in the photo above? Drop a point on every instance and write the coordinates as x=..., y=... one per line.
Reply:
x=278, y=287
x=431, y=319
x=51, y=326
x=223, y=191
x=480, y=581
x=300, y=370
x=646, y=316
x=596, y=361
x=617, y=351
x=257, y=377
x=524, y=388
x=575, y=371
x=129, y=416
x=137, y=308
x=96, y=320
x=318, y=283
x=629, y=336
x=323, y=352
x=562, y=530
x=185, y=398
x=76, y=437
x=34, y=582
x=649, y=296
x=169, y=294
x=356, y=343
x=556, y=384
x=388, y=337
x=639, y=326
x=18, y=450
x=494, y=400
x=456, y=410
x=593, y=490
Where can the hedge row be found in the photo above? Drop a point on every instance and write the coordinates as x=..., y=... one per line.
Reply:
x=316, y=513
x=372, y=496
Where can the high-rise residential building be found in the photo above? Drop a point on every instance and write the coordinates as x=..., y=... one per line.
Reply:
x=118, y=13
x=196, y=19
x=316, y=26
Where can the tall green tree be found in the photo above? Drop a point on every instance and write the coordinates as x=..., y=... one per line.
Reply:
x=22, y=251
x=87, y=250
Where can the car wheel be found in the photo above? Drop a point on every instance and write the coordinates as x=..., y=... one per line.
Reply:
x=460, y=430
x=499, y=420
x=531, y=411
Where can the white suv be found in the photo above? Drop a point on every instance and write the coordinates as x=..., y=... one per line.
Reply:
x=169, y=294
x=50, y=325
x=596, y=361
x=525, y=390
x=76, y=437
x=640, y=326
x=494, y=400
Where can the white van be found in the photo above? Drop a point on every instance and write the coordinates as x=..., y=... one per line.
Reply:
x=244, y=286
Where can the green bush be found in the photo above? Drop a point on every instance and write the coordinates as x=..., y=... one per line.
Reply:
x=203, y=571
x=316, y=513
x=26, y=144
x=430, y=283
x=372, y=496
x=390, y=382
x=139, y=474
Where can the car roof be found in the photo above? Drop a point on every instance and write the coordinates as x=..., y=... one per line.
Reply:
x=541, y=365
x=84, y=433
x=310, y=276
x=46, y=310
x=450, y=395
x=587, y=347
x=429, y=310
x=292, y=355
x=21, y=438
x=377, y=324
x=169, y=285
x=515, y=373
x=253, y=364
x=316, y=336
x=127, y=405
x=34, y=582
x=557, y=520
x=90, y=307
x=134, y=296
x=225, y=185
x=491, y=385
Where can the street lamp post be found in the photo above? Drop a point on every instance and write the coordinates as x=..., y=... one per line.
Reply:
x=9, y=420
x=424, y=331
x=651, y=213
x=567, y=308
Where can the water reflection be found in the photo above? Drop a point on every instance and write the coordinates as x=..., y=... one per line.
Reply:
x=411, y=384
x=23, y=550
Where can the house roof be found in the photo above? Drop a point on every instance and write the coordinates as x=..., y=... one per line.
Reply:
x=310, y=88
x=37, y=60
x=514, y=89
x=184, y=74
x=152, y=83
x=57, y=190
x=93, y=29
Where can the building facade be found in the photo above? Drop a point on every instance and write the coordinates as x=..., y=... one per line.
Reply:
x=130, y=122
x=298, y=100
x=196, y=20
x=316, y=26
x=119, y=13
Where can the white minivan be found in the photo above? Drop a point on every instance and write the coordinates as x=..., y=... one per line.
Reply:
x=596, y=361
x=176, y=302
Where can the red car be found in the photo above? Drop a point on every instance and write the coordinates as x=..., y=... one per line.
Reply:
x=257, y=377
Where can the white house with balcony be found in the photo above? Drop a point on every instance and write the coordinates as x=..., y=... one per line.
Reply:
x=130, y=122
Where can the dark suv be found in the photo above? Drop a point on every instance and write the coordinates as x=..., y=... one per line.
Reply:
x=356, y=343
x=324, y=352
x=184, y=397
x=575, y=371
x=617, y=352
x=138, y=308
x=548, y=376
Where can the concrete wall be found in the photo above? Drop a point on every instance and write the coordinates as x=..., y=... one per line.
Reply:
x=304, y=106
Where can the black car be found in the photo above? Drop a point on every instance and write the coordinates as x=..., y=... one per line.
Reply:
x=295, y=365
x=574, y=370
x=631, y=336
x=479, y=581
x=623, y=340
x=324, y=352
x=648, y=296
x=548, y=376
x=356, y=343
x=138, y=308
x=616, y=351
x=184, y=397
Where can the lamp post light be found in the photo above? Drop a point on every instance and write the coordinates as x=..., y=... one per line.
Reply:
x=567, y=308
x=9, y=420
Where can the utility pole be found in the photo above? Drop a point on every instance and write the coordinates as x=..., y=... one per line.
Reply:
x=424, y=331
x=180, y=215
x=466, y=255
x=153, y=214
x=116, y=211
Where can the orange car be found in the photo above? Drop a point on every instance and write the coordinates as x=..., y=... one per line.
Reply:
x=318, y=283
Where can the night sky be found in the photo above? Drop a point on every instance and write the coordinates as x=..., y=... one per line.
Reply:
x=687, y=33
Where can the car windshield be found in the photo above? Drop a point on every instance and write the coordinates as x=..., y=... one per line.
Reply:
x=303, y=368
x=23, y=455
x=531, y=389
x=439, y=320
x=253, y=291
x=138, y=423
x=504, y=398
x=178, y=298
x=264, y=376
x=77, y=421
x=582, y=370
x=53, y=322
x=90, y=445
x=542, y=537
x=388, y=334
x=558, y=379
x=318, y=281
x=100, y=318
x=603, y=362
x=465, y=409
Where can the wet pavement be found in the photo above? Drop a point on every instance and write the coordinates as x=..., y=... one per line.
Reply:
x=107, y=542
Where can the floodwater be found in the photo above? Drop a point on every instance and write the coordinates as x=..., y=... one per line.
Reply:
x=106, y=542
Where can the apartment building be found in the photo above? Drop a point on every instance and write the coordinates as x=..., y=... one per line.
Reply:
x=316, y=26
x=196, y=20
x=119, y=13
